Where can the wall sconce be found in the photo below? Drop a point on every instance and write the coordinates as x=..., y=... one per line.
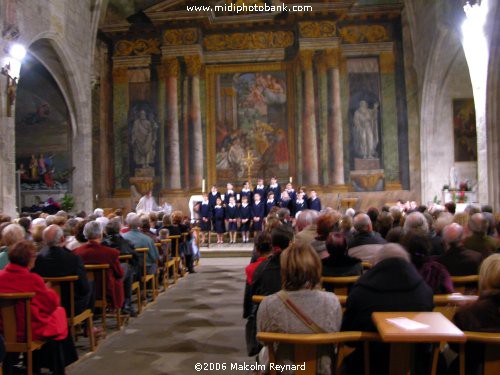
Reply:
x=11, y=69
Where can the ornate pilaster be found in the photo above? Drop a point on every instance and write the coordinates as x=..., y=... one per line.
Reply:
x=309, y=138
x=332, y=59
x=120, y=110
x=194, y=66
x=171, y=66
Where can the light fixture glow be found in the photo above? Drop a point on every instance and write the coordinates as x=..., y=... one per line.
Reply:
x=17, y=51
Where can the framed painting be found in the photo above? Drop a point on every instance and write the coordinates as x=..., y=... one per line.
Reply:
x=464, y=130
x=250, y=122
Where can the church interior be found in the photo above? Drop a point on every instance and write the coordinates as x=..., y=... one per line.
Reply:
x=368, y=104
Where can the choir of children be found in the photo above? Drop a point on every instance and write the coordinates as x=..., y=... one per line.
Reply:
x=247, y=209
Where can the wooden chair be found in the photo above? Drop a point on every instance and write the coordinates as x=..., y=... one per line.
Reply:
x=256, y=298
x=447, y=304
x=97, y=273
x=147, y=278
x=169, y=263
x=136, y=285
x=8, y=303
x=305, y=346
x=175, y=238
x=491, y=343
x=340, y=284
x=57, y=283
x=366, y=266
x=465, y=284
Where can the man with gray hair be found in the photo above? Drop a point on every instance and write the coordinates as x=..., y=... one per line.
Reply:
x=93, y=252
x=393, y=284
x=416, y=221
x=54, y=260
x=364, y=243
x=11, y=234
x=306, y=225
x=479, y=241
x=458, y=260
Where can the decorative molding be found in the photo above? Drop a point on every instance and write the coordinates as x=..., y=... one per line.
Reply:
x=171, y=66
x=263, y=55
x=131, y=61
x=366, y=49
x=364, y=34
x=305, y=58
x=317, y=29
x=193, y=65
x=241, y=41
x=319, y=43
x=139, y=47
x=178, y=37
x=175, y=51
x=331, y=57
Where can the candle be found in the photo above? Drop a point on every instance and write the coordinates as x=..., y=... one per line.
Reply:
x=203, y=186
x=291, y=179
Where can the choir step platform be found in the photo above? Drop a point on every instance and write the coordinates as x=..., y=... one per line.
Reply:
x=227, y=250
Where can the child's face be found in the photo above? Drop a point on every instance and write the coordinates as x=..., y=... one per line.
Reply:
x=313, y=194
x=260, y=181
x=257, y=197
x=271, y=197
x=214, y=189
x=273, y=181
x=229, y=187
x=244, y=200
x=231, y=200
x=218, y=201
x=289, y=186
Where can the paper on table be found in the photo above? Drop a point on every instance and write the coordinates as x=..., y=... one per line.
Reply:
x=406, y=323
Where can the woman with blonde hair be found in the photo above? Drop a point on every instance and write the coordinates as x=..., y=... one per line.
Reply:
x=301, y=306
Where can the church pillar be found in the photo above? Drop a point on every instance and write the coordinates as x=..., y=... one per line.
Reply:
x=389, y=120
x=120, y=109
x=162, y=78
x=172, y=161
x=309, y=139
x=322, y=113
x=196, y=137
x=335, y=119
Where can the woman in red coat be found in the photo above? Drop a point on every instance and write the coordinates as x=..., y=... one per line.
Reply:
x=48, y=318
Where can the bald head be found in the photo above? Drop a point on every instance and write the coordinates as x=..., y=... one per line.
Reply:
x=452, y=235
x=53, y=235
x=362, y=223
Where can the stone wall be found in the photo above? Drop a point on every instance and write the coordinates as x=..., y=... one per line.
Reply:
x=57, y=33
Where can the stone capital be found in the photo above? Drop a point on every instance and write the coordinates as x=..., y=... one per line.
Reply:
x=306, y=57
x=193, y=64
x=170, y=66
x=331, y=57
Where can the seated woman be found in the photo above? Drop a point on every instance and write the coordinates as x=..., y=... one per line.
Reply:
x=483, y=315
x=434, y=273
x=301, y=274
x=48, y=318
x=339, y=263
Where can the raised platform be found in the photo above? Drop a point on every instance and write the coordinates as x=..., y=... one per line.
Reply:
x=226, y=250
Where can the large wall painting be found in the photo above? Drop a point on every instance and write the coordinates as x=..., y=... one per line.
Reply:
x=249, y=122
x=464, y=128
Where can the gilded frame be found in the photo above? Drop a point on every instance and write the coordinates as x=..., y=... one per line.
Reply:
x=210, y=75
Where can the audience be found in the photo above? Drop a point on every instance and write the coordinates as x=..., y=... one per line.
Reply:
x=338, y=263
x=393, y=284
x=11, y=234
x=301, y=274
x=479, y=241
x=48, y=318
x=305, y=225
x=364, y=243
x=93, y=252
x=458, y=260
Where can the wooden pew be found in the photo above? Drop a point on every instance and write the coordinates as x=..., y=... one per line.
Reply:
x=96, y=273
x=465, y=284
x=8, y=303
x=340, y=284
x=136, y=285
x=491, y=342
x=169, y=263
x=57, y=283
x=147, y=278
x=306, y=345
x=176, y=243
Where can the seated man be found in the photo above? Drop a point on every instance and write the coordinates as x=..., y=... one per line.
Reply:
x=93, y=252
x=364, y=243
x=393, y=284
x=479, y=241
x=54, y=260
x=139, y=239
x=458, y=260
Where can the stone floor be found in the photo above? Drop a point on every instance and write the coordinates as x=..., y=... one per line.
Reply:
x=196, y=321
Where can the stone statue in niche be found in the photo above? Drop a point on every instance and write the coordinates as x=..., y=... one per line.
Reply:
x=143, y=138
x=366, y=130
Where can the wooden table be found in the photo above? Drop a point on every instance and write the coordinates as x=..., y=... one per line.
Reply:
x=438, y=329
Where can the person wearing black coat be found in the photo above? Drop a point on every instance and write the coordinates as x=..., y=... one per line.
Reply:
x=314, y=203
x=55, y=260
x=205, y=218
x=275, y=187
x=259, y=189
x=393, y=284
x=213, y=195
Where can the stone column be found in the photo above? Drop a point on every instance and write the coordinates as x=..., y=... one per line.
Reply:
x=335, y=120
x=309, y=140
x=162, y=78
x=322, y=118
x=120, y=109
x=173, y=166
x=196, y=137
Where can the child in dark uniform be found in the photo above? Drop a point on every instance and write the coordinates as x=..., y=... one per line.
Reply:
x=232, y=219
x=275, y=187
x=258, y=213
x=246, y=192
x=270, y=203
x=205, y=218
x=229, y=193
x=259, y=188
x=212, y=197
x=314, y=202
x=300, y=204
x=245, y=217
x=219, y=224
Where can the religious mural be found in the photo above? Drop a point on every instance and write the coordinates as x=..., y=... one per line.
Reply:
x=251, y=125
x=42, y=130
x=464, y=127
